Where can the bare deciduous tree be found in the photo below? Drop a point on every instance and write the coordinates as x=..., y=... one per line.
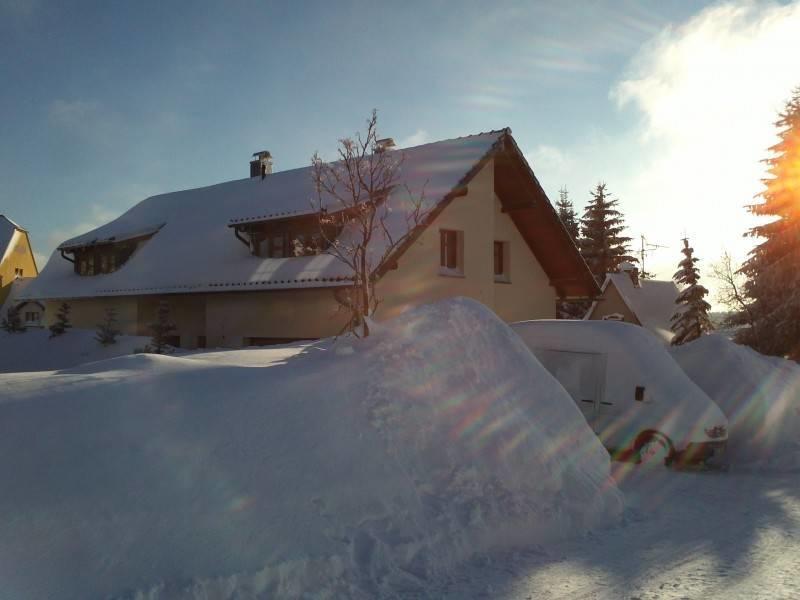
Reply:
x=730, y=292
x=365, y=216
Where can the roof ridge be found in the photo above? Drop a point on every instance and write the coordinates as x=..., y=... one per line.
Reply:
x=13, y=223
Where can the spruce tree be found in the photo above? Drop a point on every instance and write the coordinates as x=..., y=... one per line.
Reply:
x=603, y=246
x=12, y=322
x=691, y=319
x=61, y=324
x=107, y=331
x=161, y=329
x=567, y=214
x=773, y=266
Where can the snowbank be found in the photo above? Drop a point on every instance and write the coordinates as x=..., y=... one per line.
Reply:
x=33, y=350
x=760, y=395
x=344, y=470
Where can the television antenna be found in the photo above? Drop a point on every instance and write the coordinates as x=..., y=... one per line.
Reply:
x=645, y=249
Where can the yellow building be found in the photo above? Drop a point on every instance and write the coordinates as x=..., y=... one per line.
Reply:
x=223, y=256
x=16, y=256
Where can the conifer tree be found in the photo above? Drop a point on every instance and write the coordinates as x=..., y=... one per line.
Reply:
x=107, y=331
x=567, y=214
x=161, y=329
x=773, y=266
x=603, y=246
x=691, y=319
x=62, y=323
x=12, y=323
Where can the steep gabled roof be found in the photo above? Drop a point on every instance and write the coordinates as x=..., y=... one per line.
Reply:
x=653, y=301
x=192, y=248
x=8, y=231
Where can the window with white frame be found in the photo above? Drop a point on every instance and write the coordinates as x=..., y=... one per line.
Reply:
x=451, y=252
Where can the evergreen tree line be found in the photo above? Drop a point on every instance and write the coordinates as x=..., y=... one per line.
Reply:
x=766, y=305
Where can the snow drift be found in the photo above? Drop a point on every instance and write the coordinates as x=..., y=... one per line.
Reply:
x=348, y=469
x=760, y=395
x=33, y=350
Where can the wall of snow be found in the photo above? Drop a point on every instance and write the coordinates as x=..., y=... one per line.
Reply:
x=33, y=350
x=349, y=469
x=760, y=395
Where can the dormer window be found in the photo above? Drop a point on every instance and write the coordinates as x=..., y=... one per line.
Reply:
x=101, y=256
x=287, y=237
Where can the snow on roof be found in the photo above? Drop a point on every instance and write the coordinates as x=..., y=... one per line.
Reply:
x=653, y=301
x=121, y=236
x=8, y=231
x=195, y=251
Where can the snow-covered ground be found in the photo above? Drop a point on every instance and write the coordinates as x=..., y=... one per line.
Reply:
x=687, y=535
x=760, y=395
x=338, y=470
x=33, y=350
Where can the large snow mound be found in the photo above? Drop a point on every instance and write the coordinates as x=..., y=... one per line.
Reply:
x=348, y=469
x=33, y=350
x=760, y=395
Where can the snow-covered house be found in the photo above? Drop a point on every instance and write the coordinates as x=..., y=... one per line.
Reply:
x=222, y=255
x=646, y=302
x=31, y=312
x=16, y=256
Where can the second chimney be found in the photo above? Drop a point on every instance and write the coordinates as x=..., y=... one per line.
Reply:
x=632, y=271
x=261, y=165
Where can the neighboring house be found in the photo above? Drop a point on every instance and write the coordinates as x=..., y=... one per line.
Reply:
x=16, y=256
x=646, y=302
x=31, y=312
x=222, y=256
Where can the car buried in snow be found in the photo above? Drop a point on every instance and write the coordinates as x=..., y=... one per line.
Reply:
x=632, y=393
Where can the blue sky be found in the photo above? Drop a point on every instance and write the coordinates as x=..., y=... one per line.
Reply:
x=105, y=103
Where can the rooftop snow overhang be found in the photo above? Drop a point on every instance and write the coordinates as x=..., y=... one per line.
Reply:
x=524, y=200
x=269, y=217
x=84, y=241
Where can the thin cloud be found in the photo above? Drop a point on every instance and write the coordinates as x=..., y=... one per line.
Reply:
x=706, y=95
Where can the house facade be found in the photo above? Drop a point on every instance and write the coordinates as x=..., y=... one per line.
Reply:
x=16, y=256
x=222, y=256
x=649, y=303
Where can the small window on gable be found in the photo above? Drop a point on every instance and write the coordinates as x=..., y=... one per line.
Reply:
x=501, y=256
x=17, y=272
x=451, y=252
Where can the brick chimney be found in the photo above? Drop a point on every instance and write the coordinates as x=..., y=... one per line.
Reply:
x=261, y=165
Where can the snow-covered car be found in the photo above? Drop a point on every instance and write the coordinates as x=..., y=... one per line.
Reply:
x=635, y=397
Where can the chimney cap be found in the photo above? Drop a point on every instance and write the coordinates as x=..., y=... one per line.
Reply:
x=262, y=154
x=385, y=143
